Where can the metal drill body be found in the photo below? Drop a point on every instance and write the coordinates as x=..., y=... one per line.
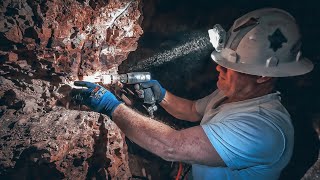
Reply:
x=128, y=78
x=135, y=77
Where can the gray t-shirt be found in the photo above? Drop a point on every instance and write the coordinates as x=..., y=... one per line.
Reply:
x=253, y=137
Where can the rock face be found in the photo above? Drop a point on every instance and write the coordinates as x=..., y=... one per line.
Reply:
x=77, y=37
x=314, y=172
x=43, y=140
x=43, y=44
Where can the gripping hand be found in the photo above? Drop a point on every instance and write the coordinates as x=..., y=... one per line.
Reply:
x=98, y=98
x=143, y=90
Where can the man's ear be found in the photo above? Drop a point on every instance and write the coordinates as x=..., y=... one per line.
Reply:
x=263, y=79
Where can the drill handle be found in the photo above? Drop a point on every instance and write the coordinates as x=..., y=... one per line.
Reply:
x=145, y=94
x=148, y=98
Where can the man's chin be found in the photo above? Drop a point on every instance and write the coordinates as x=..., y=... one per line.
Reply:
x=222, y=89
x=219, y=85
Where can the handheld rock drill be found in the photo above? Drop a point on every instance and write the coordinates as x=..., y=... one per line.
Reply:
x=133, y=78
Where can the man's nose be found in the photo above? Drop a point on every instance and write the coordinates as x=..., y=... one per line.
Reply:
x=221, y=69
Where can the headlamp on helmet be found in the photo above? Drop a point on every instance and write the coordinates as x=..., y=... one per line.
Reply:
x=217, y=37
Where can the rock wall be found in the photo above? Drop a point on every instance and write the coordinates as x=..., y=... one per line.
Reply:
x=41, y=138
x=77, y=37
x=43, y=44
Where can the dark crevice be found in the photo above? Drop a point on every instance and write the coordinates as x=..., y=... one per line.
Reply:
x=11, y=11
x=37, y=17
x=98, y=3
x=5, y=44
x=98, y=162
x=33, y=163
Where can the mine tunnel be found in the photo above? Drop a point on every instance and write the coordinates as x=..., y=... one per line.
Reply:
x=46, y=45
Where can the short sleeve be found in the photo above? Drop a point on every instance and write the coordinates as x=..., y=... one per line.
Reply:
x=201, y=104
x=246, y=140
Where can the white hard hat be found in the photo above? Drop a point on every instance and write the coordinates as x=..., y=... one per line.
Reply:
x=264, y=42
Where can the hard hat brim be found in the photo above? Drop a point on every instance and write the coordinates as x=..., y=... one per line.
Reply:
x=303, y=66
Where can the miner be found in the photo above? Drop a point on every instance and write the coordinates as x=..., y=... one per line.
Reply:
x=245, y=132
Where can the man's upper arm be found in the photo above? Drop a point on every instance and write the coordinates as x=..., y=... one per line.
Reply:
x=237, y=143
x=193, y=146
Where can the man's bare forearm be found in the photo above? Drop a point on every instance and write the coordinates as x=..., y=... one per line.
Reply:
x=180, y=108
x=152, y=135
x=189, y=145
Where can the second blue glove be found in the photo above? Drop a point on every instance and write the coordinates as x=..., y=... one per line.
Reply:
x=158, y=91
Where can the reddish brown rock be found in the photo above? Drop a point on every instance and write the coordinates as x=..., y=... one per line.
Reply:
x=101, y=33
x=12, y=56
x=14, y=34
x=40, y=138
x=43, y=43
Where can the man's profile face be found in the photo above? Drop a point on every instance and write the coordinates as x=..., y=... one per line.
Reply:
x=235, y=84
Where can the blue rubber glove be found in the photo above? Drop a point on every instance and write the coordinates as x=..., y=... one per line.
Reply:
x=98, y=98
x=158, y=91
